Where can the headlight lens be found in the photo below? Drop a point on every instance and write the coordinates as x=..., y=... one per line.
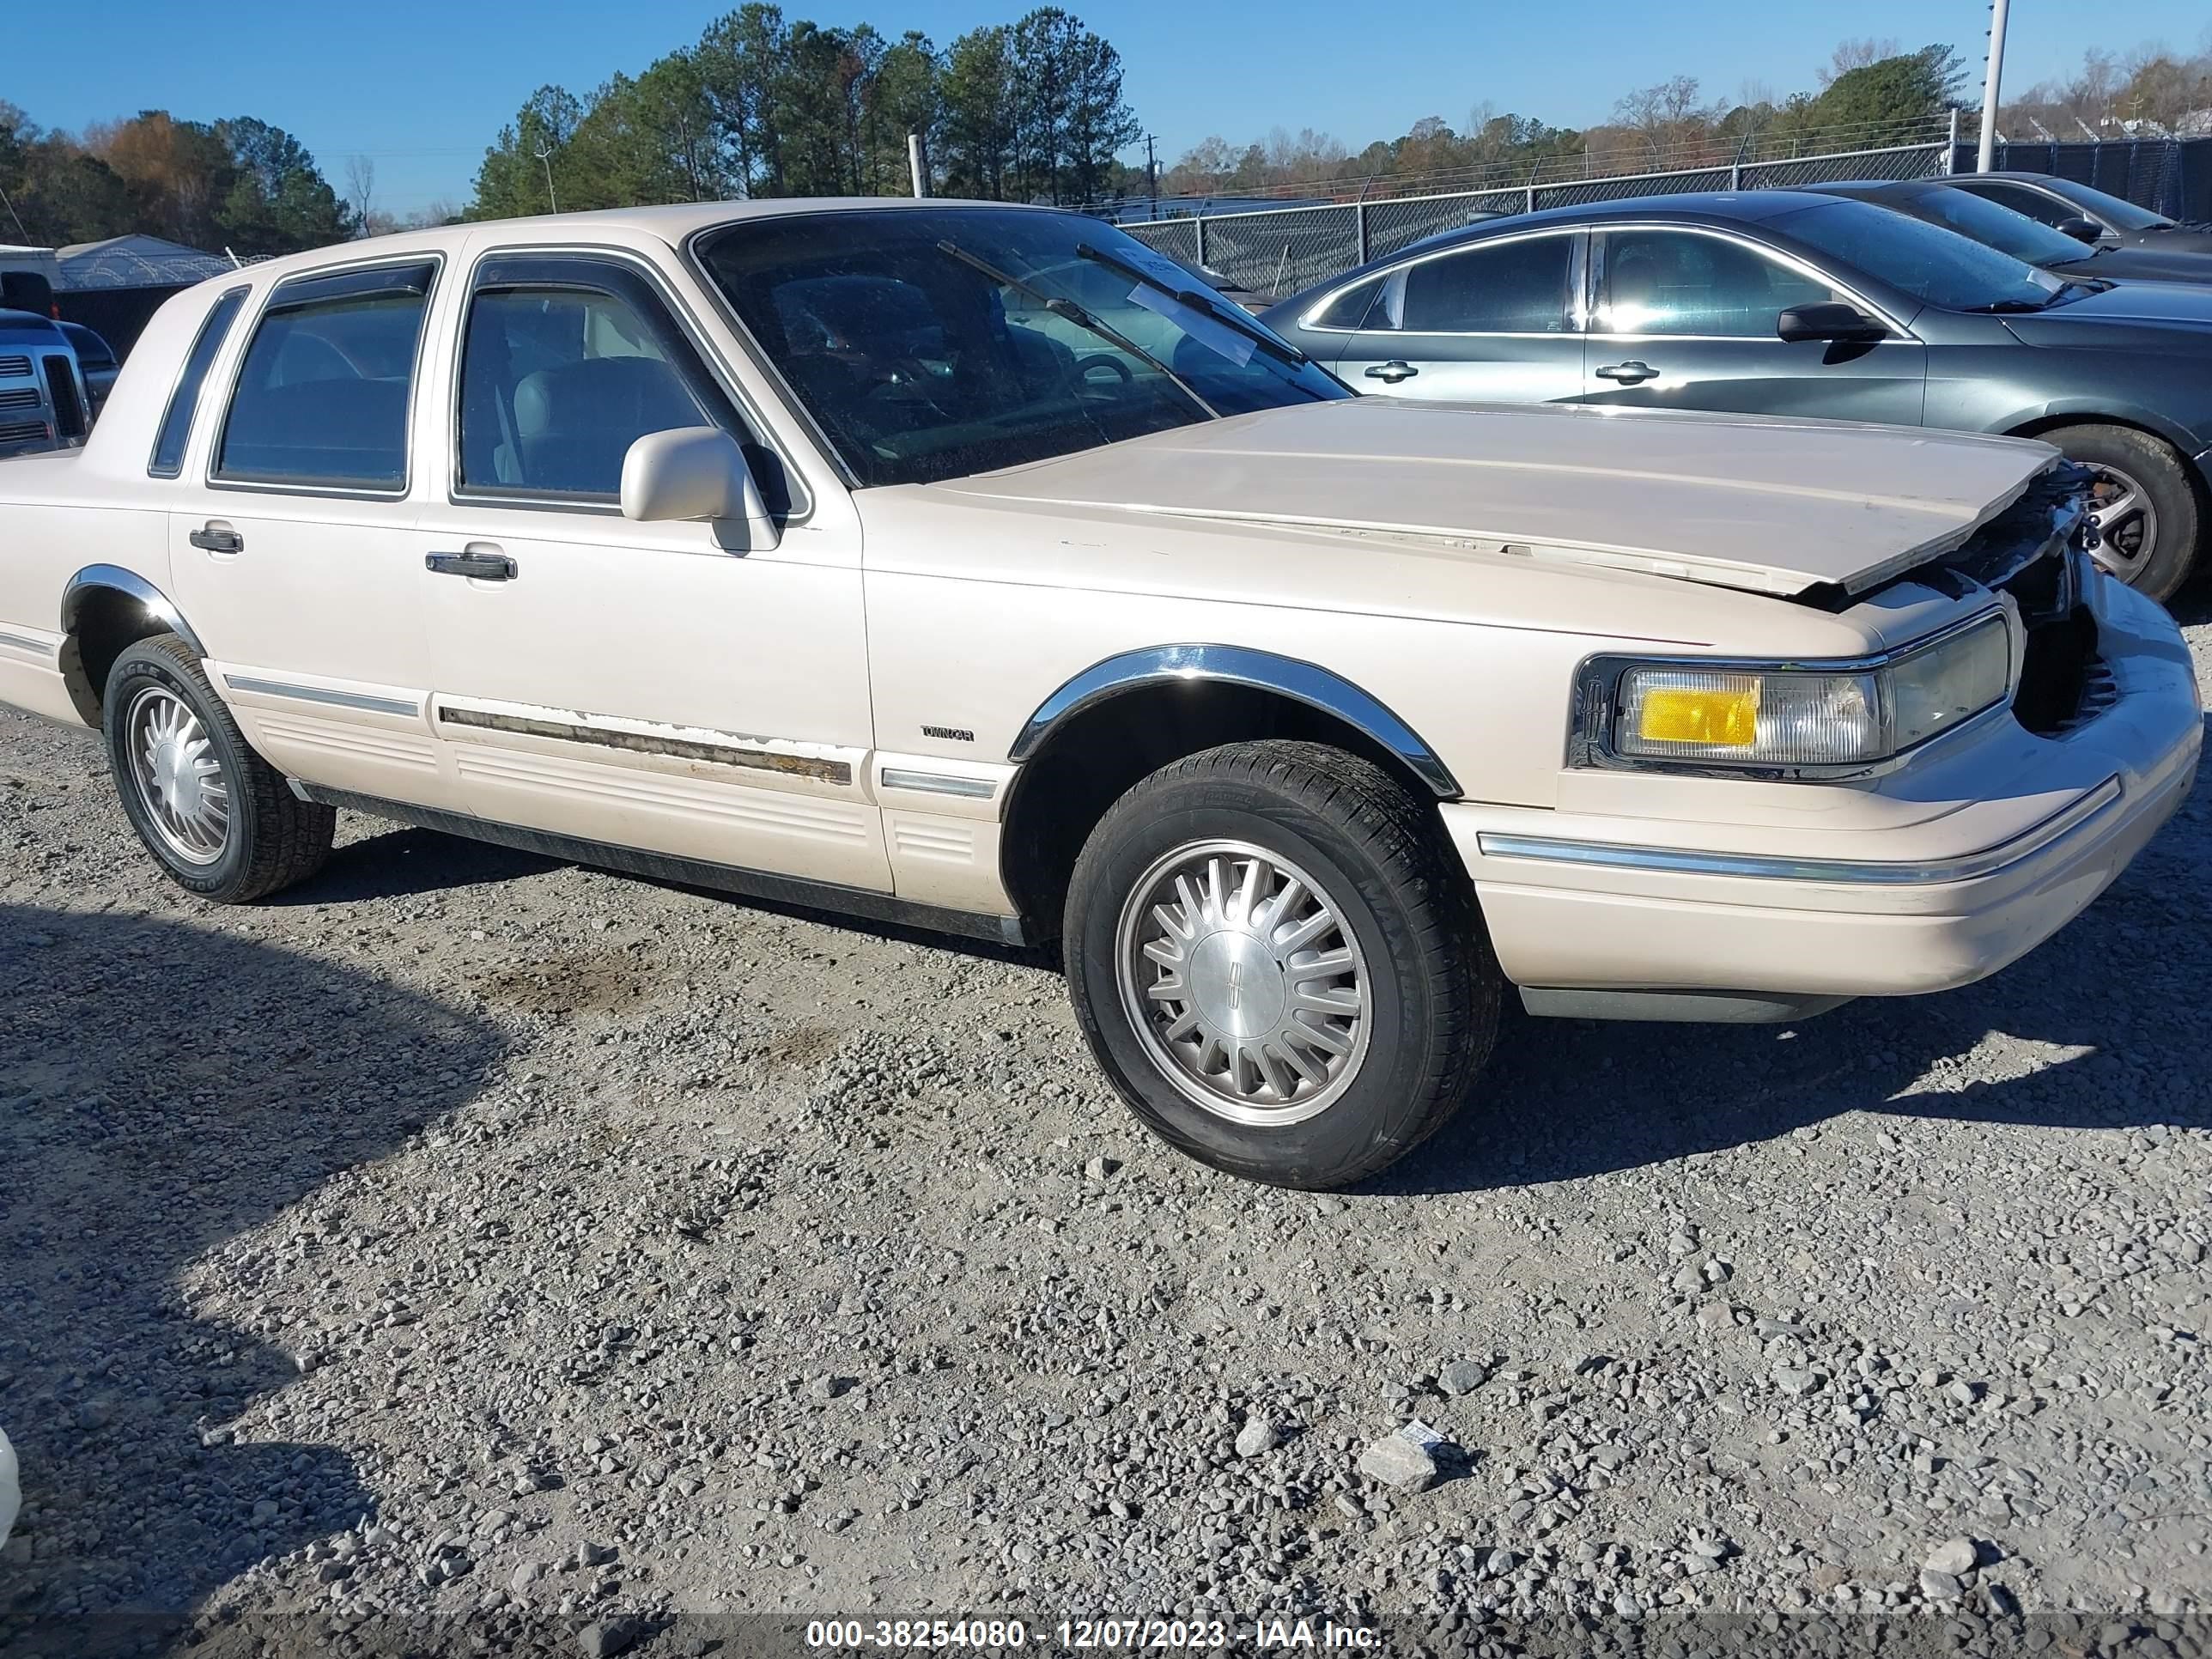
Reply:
x=1791, y=717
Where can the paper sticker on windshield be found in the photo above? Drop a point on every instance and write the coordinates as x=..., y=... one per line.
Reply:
x=1210, y=332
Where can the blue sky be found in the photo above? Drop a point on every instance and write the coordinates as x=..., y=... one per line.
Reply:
x=423, y=86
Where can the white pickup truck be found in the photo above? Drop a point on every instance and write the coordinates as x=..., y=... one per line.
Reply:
x=45, y=403
x=968, y=565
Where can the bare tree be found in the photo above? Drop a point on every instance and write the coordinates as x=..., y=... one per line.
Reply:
x=1851, y=55
x=361, y=188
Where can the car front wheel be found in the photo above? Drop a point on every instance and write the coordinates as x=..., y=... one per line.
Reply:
x=1279, y=962
x=2148, y=511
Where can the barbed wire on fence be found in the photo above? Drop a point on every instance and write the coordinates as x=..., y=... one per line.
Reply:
x=1621, y=157
x=1280, y=250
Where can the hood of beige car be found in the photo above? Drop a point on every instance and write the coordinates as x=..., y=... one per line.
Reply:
x=1770, y=506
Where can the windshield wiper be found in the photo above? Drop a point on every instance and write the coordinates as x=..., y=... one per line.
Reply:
x=1082, y=318
x=2015, y=305
x=1198, y=299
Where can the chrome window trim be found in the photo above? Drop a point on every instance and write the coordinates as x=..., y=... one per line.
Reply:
x=1395, y=275
x=323, y=695
x=1236, y=664
x=1796, y=262
x=435, y=258
x=1870, y=873
x=687, y=322
x=1595, y=704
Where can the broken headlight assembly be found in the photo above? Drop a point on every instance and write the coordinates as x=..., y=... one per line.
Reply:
x=1789, y=719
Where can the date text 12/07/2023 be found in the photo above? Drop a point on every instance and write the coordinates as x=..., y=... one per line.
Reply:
x=1091, y=1634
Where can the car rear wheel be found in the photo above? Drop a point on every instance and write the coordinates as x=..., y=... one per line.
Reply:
x=219, y=819
x=2147, y=508
x=1279, y=962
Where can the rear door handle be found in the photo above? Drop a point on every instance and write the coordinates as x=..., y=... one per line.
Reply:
x=1392, y=372
x=1631, y=373
x=216, y=537
x=480, y=566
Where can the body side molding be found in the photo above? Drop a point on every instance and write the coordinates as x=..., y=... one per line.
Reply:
x=1236, y=664
x=866, y=904
x=93, y=577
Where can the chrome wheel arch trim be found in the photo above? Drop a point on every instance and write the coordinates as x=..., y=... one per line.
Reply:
x=157, y=604
x=1236, y=664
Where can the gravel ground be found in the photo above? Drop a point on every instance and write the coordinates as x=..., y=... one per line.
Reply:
x=469, y=1237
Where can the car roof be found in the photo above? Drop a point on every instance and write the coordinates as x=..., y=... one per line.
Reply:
x=672, y=224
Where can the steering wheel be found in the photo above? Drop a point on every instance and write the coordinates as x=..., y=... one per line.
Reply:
x=1102, y=360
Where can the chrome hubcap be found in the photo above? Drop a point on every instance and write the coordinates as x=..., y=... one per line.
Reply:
x=179, y=780
x=1244, y=983
x=2125, y=520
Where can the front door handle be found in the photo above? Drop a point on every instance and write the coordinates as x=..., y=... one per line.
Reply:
x=1631, y=373
x=1392, y=372
x=216, y=537
x=478, y=565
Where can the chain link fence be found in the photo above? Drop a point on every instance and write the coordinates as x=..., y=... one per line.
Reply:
x=1280, y=250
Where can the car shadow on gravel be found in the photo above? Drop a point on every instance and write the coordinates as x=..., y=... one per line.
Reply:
x=2119, y=996
x=404, y=862
x=166, y=1089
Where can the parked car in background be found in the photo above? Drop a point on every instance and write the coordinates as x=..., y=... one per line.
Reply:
x=44, y=404
x=1307, y=722
x=1773, y=302
x=96, y=361
x=2088, y=214
x=1941, y=202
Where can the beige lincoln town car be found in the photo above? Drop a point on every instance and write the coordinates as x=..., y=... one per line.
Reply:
x=975, y=567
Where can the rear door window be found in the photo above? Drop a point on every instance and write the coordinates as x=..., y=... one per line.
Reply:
x=323, y=394
x=1505, y=288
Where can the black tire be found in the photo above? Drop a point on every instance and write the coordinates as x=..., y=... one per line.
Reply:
x=2166, y=479
x=1382, y=859
x=272, y=838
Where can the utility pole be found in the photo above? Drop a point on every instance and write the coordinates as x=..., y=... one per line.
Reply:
x=1152, y=174
x=1988, y=152
x=545, y=155
x=917, y=169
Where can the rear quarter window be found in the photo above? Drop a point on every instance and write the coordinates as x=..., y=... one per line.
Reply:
x=168, y=458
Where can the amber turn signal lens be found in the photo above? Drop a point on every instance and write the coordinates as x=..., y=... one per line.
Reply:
x=1708, y=717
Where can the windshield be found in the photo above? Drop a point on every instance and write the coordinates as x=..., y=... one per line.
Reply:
x=920, y=365
x=1936, y=266
x=1996, y=227
x=2119, y=214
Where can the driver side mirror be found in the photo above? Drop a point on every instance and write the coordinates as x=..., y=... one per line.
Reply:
x=1831, y=320
x=2082, y=229
x=695, y=472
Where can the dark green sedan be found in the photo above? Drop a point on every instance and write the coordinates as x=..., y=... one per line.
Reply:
x=1785, y=303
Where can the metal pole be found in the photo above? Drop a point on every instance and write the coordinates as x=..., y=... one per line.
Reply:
x=1359, y=225
x=915, y=168
x=1986, y=155
x=1201, y=236
x=1951, y=147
